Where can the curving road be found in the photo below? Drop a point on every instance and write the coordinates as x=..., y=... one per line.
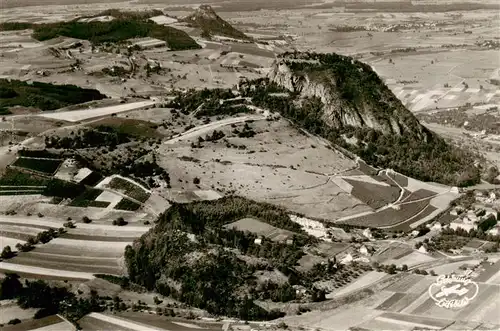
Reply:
x=206, y=128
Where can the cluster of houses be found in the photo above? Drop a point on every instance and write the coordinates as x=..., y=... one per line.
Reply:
x=482, y=214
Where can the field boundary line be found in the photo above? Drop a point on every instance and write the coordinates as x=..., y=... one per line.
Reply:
x=73, y=327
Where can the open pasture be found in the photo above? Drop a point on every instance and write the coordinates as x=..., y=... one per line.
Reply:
x=277, y=165
x=260, y=228
x=133, y=127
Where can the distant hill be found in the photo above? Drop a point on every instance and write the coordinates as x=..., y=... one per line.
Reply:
x=207, y=20
x=123, y=26
x=43, y=96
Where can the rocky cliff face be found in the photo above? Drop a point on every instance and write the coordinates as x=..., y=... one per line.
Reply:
x=388, y=116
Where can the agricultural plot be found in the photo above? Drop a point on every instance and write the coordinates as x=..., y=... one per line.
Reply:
x=126, y=204
x=375, y=196
x=87, y=198
x=415, y=321
x=412, y=259
x=49, y=323
x=261, y=229
x=330, y=249
x=161, y=322
x=78, y=254
x=133, y=127
x=488, y=272
x=135, y=321
x=419, y=195
x=391, y=216
x=91, y=179
x=363, y=281
x=392, y=251
x=398, y=178
x=129, y=188
x=38, y=165
x=15, y=178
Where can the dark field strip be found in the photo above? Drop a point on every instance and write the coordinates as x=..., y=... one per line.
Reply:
x=86, y=198
x=126, y=204
x=99, y=204
x=439, y=323
x=400, y=179
x=389, y=216
x=375, y=196
x=90, y=267
x=391, y=251
x=366, y=169
x=97, y=238
x=419, y=194
x=424, y=307
x=16, y=235
x=35, y=226
x=34, y=324
x=75, y=251
x=164, y=323
x=252, y=49
x=390, y=301
x=404, y=302
x=406, y=225
x=93, y=179
x=104, y=262
x=407, y=252
x=404, y=284
x=88, y=323
x=47, y=166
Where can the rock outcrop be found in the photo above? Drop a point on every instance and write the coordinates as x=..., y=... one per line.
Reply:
x=383, y=113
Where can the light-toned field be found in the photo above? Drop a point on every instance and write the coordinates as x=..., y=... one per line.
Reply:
x=80, y=115
x=10, y=310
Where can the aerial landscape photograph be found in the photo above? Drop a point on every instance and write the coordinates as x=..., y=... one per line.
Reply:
x=249, y=165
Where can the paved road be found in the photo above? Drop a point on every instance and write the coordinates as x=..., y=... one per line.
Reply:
x=206, y=128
